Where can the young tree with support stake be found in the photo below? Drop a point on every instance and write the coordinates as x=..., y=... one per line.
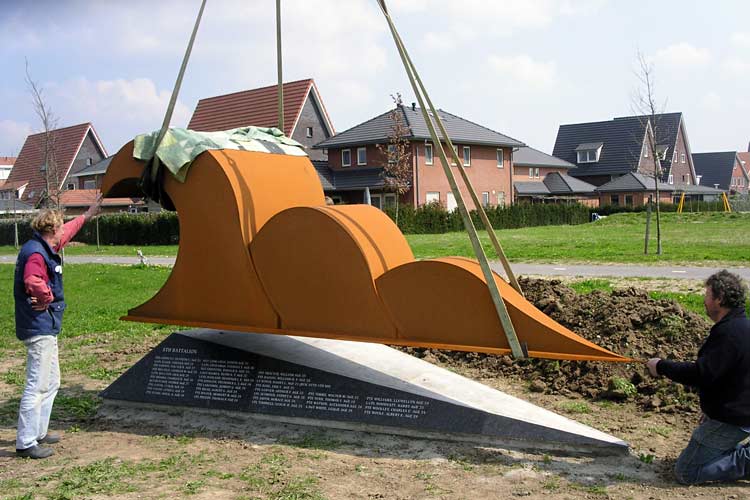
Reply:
x=53, y=187
x=397, y=169
x=644, y=103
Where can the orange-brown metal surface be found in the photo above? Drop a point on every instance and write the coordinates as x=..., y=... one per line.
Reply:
x=260, y=252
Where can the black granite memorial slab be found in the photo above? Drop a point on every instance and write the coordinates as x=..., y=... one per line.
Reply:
x=187, y=371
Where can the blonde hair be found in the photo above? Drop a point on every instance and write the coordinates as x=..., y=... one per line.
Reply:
x=47, y=221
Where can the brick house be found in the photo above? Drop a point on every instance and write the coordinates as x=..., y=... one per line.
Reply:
x=75, y=148
x=532, y=165
x=6, y=165
x=603, y=151
x=556, y=187
x=305, y=118
x=355, y=163
x=633, y=189
x=723, y=170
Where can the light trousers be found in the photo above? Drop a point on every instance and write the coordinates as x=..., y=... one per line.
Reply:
x=42, y=383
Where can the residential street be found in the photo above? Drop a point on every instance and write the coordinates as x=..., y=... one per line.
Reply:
x=615, y=270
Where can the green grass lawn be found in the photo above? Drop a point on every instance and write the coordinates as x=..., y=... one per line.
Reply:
x=693, y=238
x=697, y=239
x=97, y=295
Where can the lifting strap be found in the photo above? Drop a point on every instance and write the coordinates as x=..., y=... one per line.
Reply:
x=421, y=93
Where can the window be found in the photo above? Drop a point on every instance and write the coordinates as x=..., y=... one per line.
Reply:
x=361, y=156
x=453, y=158
x=628, y=200
x=588, y=156
x=499, y=154
x=467, y=156
x=71, y=185
x=533, y=172
x=390, y=200
x=645, y=151
x=671, y=179
x=614, y=199
x=661, y=151
x=682, y=157
x=391, y=154
x=536, y=173
x=486, y=198
x=428, y=154
x=698, y=179
x=376, y=201
x=501, y=199
x=432, y=197
x=308, y=132
x=89, y=161
x=674, y=157
x=89, y=184
x=346, y=157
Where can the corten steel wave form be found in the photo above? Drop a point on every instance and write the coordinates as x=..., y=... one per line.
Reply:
x=261, y=252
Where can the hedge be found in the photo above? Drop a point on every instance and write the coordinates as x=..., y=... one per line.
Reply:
x=160, y=228
x=433, y=218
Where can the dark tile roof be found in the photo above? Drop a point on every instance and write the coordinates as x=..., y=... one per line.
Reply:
x=666, y=126
x=7, y=206
x=348, y=179
x=528, y=156
x=621, y=139
x=95, y=169
x=67, y=142
x=555, y=183
x=715, y=168
x=258, y=107
x=325, y=174
x=633, y=181
x=378, y=129
x=558, y=183
x=530, y=188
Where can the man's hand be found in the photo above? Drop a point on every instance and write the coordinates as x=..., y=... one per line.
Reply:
x=94, y=209
x=35, y=305
x=651, y=364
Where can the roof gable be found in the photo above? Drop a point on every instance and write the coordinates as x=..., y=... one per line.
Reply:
x=621, y=142
x=257, y=107
x=67, y=142
x=715, y=168
x=378, y=129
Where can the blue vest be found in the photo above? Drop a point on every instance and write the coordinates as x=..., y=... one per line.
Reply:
x=28, y=321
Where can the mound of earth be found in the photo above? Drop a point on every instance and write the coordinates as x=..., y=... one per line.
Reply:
x=625, y=321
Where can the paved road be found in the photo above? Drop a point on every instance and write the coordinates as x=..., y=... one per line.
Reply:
x=625, y=271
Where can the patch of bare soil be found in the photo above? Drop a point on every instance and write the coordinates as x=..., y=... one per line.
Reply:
x=627, y=322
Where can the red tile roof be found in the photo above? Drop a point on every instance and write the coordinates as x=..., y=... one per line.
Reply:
x=86, y=197
x=67, y=143
x=258, y=107
x=7, y=160
x=8, y=185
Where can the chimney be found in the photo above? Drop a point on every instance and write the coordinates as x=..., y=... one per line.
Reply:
x=414, y=108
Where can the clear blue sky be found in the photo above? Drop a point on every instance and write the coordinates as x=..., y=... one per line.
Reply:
x=521, y=67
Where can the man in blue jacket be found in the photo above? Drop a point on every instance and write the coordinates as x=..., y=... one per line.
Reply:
x=39, y=307
x=718, y=449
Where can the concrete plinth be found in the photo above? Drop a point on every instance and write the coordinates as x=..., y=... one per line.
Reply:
x=347, y=385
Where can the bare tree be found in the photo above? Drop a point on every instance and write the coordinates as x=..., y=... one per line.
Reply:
x=645, y=105
x=49, y=122
x=397, y=169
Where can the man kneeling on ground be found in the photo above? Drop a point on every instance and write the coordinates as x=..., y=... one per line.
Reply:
x=718, y=449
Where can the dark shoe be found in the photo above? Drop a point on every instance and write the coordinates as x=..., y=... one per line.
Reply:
x=35, y=452
x=49, y=439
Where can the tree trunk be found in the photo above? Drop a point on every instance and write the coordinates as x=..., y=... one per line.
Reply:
x=648, y=227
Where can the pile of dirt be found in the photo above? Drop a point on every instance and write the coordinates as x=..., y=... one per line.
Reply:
x=626, y=321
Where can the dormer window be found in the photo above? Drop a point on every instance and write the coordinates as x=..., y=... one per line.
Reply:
x=661, y=151
x=589, y=152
